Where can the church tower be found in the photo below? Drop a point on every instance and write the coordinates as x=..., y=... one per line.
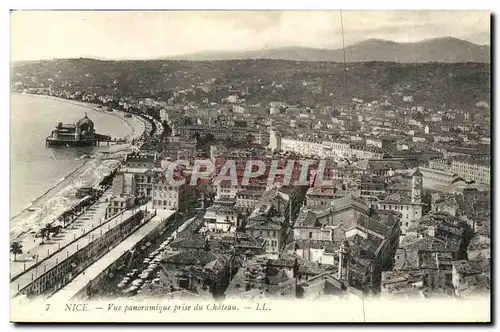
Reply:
x=343, y=263
x=416, y=187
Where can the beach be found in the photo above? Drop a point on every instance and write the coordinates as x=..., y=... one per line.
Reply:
x=89, y=172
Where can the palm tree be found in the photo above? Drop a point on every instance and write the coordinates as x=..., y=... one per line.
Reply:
x=16, y=248
x=65, y=221
x=45, y=231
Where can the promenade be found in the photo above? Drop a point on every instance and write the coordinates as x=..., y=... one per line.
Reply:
x=93, y=271
x=29, y=275
x=36, y=253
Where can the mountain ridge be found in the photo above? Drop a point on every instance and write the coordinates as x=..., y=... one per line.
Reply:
x=442, y=49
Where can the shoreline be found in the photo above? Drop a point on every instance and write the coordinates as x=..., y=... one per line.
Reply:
x=45, y=193
x=24, y=221
x=119, y=114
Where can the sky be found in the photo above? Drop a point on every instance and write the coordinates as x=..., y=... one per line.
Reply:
x=39, y=35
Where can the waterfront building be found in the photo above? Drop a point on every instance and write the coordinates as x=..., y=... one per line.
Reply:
x=119, y=204
x=168, y=197
x=82, y=133
x=124, y=184
x=141, y=160
x=143, y=180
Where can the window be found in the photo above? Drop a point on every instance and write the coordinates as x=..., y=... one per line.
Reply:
x=310, y=235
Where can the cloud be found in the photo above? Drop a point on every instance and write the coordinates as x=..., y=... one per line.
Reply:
x=151, y=34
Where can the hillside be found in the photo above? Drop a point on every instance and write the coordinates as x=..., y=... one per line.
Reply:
x=459, y=85
x=449, y=50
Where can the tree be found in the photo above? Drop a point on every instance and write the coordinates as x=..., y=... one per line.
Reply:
x=45, y=231
x=64, y=220
x=16, y=248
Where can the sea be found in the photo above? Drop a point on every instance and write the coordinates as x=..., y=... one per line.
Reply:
x=34, y=167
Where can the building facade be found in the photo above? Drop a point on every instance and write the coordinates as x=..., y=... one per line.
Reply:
x=410, y=208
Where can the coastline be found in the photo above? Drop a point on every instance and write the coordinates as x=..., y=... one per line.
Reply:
x=55, y=199
x=135, y=133
x=35, y=202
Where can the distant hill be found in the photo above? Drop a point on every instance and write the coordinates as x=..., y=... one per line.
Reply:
x=448, y=50
x=433, y=85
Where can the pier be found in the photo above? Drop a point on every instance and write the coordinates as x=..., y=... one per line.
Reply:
x=50, y=141
x=82, y=133
x=107, y=141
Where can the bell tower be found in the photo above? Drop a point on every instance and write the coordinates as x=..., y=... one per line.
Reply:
x=343, y=263
x=416, y=187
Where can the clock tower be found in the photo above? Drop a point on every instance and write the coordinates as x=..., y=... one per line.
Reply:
x=416, y=187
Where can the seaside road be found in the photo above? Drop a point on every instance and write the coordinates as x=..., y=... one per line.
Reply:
x=37, y=252
x=68, y=292
x=25, y=278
